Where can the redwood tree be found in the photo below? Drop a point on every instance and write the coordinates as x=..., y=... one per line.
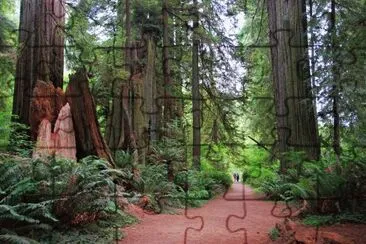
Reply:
x=119, y=127
x=41, y=54
x=295, y=109
x=196, y=101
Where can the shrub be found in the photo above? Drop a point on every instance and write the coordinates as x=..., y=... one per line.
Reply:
x=320, y=220
x=200, y=186
x=39, y=195
x=154, y=183
x=274, y=233
x=219, y=177
x=335, y=184
x=20, y=142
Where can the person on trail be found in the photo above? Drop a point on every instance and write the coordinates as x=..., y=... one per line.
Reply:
x=236, y=177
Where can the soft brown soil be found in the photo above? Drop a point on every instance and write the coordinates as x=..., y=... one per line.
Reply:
x=238, y=216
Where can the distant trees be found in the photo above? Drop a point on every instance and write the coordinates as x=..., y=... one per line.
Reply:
x=7, y=51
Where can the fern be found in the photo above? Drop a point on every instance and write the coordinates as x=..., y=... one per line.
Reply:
x=40, y=210
x=10, y=212
x=35, y=194
x=15, y=192
x=7, y=238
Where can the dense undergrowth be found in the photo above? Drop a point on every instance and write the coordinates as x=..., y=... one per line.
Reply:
x=57, y=200
x=331, y=188
x=53, y=200
x=322, y=220
x=189, y=188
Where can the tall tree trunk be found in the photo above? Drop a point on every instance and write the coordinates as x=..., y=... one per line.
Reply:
x=116, y=136
x=295, y=112
x=168, y=88
x=150, y=97
x=41, y=54
x=196, y=98
x=335, y=90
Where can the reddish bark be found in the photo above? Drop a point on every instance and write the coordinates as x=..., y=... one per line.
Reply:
x=61, y=143
x=45, y=143
x=89, y=140
x=41, y=52
x=46, y=103
x=64, y=134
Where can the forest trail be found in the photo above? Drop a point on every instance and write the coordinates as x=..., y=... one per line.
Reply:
x=169, y=229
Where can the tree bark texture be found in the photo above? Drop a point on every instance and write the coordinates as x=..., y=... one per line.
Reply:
x=46, y=103
x=170, y=98
x=196, y=97
x=335, y=89
x=295, y=111
x=41, y=54
x=119, y=133
x=61, y=141
x=89, y=140
x=150, y=108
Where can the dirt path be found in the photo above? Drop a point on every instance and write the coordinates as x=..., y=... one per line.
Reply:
x=226, y=219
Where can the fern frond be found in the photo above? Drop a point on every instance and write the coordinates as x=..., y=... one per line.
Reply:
x=15, y=239
x=28, y=228
x=26, y=185
x=9, y=212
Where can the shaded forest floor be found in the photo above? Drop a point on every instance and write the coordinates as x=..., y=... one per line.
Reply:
x=229, y=219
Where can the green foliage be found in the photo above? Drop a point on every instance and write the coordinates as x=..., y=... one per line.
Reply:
x=170, y=149
x=154, y=183
x=8, y=42
x=123, y=159
x=258, y=89
x=17, y=211
x=321, y=220
x=5, y=128
x=196, y=188
x=15, y=239
x=217, y=157
x=254, y=166
x=274, y=233
x=42, y=196
x=326, y=179
x=219, y=177
x=104, y=230
x=200, y=186
x=20, y=142
x=257, y=168
x=147, y=15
